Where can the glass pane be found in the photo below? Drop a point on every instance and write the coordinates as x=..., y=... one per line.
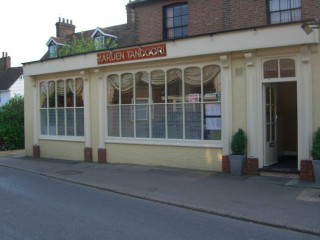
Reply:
x=275, y=17
x=184, y=9
x=113, y=121
x=126, y=88
x=174, y=85
x=287, y=68
x=80, y=121
x=273, y=114
x=268, y=95
x=267, y=114
x=284, y=4
x=52, y=122
x=212, y=83
x=127, y=121
x=295, y=3
x=158, y=86
x=184, y=20
x=286, y=16
x=61, y=123
x=170, y=33
x=60, y=93
x=273, y=128
x=79, y=92
x=169, y=22
x=175, y=128
x=270, y=69
x=177, y=21
x=193, y=120
x=142, y=85
x=268, y=132
x=296, y=15
x=169, y=12
x=212, y=121
x=69, y=92
x=44, y=121
x=177, y=32
x=274, y=5
x=70, y=122
x=113, y=84
x=158, y=121
x=142, y=120
x=177, y=11
x=192, y=86
x=52, y=94
x=185, y=31
x=43, y=94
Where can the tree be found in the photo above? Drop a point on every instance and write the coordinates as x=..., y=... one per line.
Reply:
x=82, y=45
x=12, y=124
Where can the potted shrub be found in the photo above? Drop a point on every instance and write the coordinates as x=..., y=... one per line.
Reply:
x=315, y=152
x=238, y=156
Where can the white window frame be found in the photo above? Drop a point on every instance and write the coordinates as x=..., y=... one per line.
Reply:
x=166, y=141
x=57, y=137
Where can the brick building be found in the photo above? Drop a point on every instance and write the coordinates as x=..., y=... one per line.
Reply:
x=183, y=78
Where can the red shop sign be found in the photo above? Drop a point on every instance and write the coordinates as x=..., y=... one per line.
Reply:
x=132, y=54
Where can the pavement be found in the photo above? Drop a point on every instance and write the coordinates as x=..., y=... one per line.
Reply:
x=280, y=202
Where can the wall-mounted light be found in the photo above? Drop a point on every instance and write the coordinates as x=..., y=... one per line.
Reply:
x=309, y=25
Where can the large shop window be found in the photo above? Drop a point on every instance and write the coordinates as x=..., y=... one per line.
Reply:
x=282, y=11
x=175, y=21
x=62, y=108
x=173, y=104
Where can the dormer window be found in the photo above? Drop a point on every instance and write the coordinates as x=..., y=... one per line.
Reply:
x=102, y=39
x=99, y=41
x=53, y=50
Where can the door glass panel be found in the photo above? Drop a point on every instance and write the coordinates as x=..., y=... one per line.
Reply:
x=268, y=132
x=270, y=69
x=287, y=68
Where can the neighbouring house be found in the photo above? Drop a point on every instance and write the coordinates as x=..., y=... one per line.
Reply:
x=11, y=79
x=183, y=78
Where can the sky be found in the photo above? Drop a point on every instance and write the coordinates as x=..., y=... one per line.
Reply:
x=27, y=25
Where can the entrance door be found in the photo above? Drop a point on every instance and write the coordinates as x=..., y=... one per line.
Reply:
x=270, y=124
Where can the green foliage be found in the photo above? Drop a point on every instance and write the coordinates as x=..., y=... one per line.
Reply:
x=315, y=151
x=239, y=142
x=83, y=45
x=12, y=124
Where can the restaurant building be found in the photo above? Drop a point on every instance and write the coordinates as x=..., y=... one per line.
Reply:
x=183, y=78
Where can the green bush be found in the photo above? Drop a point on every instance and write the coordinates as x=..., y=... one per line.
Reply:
x=315, y=151
x=12, y=124
x=239, y=142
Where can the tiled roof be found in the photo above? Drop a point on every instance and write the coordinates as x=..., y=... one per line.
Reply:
x=139, y=2
x=9, y=77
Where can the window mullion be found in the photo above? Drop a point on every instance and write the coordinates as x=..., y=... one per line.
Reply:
x=48, y=109
x=202, y=104
x=149, y=105
x=120, y=107
x=56, y=106
x=65, y=107
x=183, y=107
x=165, y=102
x=134, y=105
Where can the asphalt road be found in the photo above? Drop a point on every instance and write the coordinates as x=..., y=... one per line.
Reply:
x=37, y=207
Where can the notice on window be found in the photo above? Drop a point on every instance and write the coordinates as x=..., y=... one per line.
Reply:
x=213, y=123
x=213, y=109
x=194, y=97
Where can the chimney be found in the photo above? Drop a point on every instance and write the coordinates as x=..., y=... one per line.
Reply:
x=5, y=61
x=64, y=28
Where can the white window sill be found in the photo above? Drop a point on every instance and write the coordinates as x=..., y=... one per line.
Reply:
x=62, y=138
x=166, y=142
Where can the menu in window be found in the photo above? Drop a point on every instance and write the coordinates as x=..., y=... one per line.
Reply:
x=213, y=109
x=213, y=123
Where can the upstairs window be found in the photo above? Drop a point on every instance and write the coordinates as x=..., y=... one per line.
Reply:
x=175, y=21
x=99, y=41
x=53, y=50
x=282, y=11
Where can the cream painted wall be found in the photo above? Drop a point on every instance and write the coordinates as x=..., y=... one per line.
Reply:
x=62, y=150
x=182, y=157
x=239, y=95
x=28, y=115
x=315, y=58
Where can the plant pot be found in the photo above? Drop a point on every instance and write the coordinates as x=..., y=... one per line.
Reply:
x=316, y=171
x=237, y=163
